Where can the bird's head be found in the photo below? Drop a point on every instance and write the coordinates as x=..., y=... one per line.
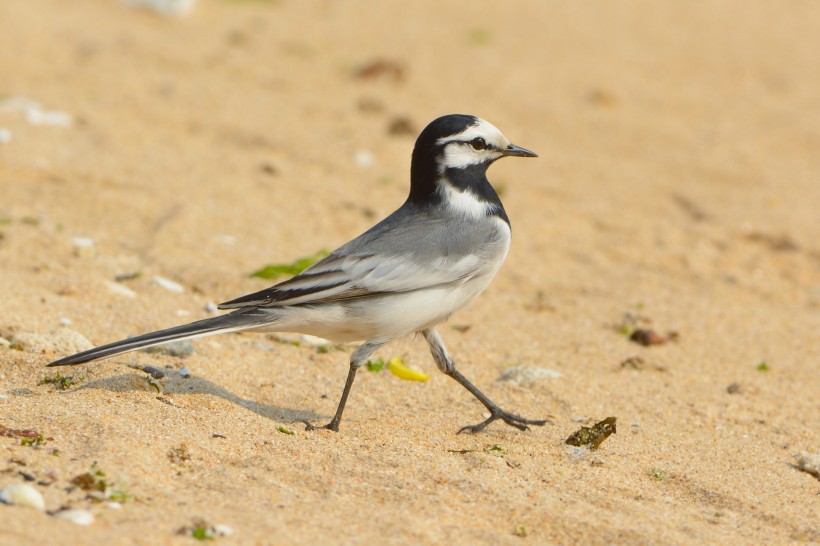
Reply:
x=457, y=146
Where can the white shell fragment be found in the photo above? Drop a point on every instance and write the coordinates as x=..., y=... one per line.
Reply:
x=165, y=7
x=5, y=136
x=576, y=453
x=222, y=530
x=314, y=341
x=23, y=495
x=76, y=515
x=526, y=374
x=53, y=118
x=168, y=284
x=120, y=289
x=35, y=114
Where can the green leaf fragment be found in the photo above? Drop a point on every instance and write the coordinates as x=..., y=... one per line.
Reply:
x=375, y=365
x=593, y=436
x=495, y=449
x=284, y=430
x=202, y=533
x=118, y=495
x=272, y=271
x=34, y=442
x=61, y=382
x=480, y=36
x=520, y=531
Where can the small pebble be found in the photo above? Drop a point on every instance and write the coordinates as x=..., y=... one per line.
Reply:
x=521, y=375
x=364, y=159
x=168, y=284
x=65, y=321
x=5, y=136
x=646, y=337
x=83, y=247
x=809, y=463
x=185, y=372
x=211, y=308
x=402, y=125
x=156, y=373
x=23, y=495
x=61, y=340
x=76, y=515
x=733, y=388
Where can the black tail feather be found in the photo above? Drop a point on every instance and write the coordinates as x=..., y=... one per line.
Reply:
x=215, y=325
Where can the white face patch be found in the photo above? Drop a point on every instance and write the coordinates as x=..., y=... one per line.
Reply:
x=464, y=202
x=458, y=153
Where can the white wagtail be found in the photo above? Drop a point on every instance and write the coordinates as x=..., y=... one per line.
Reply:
x=406, y=274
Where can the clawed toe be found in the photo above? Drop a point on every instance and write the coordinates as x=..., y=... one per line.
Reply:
x=334, y=426
x=511, y=419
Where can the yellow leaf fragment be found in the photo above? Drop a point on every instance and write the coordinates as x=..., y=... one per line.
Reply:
x=397, y=368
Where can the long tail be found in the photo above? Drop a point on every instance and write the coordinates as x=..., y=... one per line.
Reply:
x=232, y=322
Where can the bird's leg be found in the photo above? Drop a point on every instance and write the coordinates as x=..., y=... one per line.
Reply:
x=446, y=364
x=357, y=359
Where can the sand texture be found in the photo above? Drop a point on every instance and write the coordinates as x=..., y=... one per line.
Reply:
x=677, y=192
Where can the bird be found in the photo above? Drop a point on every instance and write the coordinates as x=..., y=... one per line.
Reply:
x=405, y=275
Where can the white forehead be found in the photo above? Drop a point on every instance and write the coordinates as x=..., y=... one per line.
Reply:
x=483, y=129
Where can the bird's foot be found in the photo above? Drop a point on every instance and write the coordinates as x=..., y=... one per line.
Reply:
x=333, y=425
x=510, y=418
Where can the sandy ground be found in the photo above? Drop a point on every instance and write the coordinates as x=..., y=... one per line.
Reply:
x=678, y=189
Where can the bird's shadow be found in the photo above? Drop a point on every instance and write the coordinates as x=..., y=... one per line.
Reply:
x=175, y=384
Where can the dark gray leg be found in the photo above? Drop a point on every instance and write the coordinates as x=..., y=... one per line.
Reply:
x=357, y=359
x=445, y=363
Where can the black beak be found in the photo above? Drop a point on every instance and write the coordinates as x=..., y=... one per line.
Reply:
x=512, y=149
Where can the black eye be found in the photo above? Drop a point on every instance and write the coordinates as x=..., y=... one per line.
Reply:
x=478, y=143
